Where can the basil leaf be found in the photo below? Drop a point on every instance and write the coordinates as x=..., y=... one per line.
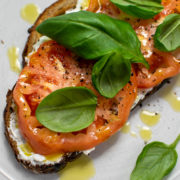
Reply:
x=168, y=34
x=155, y=161
x=110, y=74
x=145, y=9
x=68, y=109
x=92, y=36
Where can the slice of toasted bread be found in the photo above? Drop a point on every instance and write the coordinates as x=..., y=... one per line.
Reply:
x=35, y=162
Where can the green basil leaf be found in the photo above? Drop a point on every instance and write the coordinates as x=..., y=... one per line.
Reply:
x=144, y=9
x=168, y=34
x=111, y=74
x=155, y=161
x=93, y=35
x=68, y=109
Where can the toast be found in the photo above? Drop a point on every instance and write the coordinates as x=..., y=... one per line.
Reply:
x=36, y=162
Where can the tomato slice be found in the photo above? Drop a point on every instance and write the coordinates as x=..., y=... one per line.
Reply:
x=162, y=65
x=53, y=67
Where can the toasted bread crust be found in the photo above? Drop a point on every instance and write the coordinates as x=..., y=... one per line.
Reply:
x=55, y=9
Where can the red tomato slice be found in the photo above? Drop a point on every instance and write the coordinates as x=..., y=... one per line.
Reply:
x=162, y=65
x=53, y=67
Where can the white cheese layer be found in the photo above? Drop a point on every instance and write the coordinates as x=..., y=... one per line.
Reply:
x=141, y=95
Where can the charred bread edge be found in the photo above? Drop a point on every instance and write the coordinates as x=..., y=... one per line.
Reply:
x=55, y=9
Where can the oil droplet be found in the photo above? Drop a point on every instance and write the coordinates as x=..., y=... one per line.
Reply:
x=145, y=133
x=173, y=100
x=29, y=13
x=26, y=148
x=133, y=134
x=13, y=55
x=53, y=157
x=126, y=128
x=81, y=169
x=149, y=118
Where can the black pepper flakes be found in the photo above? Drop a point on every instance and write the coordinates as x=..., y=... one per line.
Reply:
x=130, y=83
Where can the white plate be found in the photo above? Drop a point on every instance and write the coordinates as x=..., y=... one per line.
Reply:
x=113, y=159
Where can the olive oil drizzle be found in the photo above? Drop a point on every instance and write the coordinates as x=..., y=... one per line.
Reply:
x=80, y=169
x=145, y=133
x=30, y=12
x=149, y=118
x=173, y=100
x=126, y=128
x=13, y=55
